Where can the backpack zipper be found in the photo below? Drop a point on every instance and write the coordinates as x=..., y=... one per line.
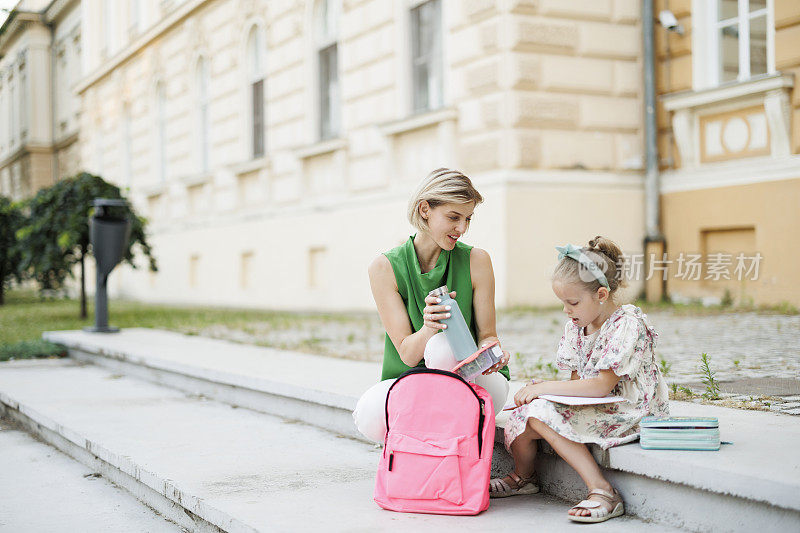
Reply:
x=422, y=370
x=481, y=419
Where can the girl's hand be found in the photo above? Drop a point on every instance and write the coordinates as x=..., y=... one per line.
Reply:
x=526, y=394
x=503, y=362
x=433, y=312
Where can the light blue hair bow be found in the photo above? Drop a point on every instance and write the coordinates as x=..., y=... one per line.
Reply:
x=570, y=250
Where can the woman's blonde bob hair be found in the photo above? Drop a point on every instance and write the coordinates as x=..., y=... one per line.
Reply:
x=442, y=186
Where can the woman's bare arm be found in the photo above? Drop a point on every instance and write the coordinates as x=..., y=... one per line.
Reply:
x=480, y=265
x=394, y=315
x=482, y=273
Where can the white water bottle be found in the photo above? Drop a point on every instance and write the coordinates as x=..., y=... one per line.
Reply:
x=457, y=332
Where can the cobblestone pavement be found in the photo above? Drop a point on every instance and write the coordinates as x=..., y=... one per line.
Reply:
x=741, y=347
x=756, y=357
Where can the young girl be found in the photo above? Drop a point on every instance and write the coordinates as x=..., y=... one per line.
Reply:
x=609, y=349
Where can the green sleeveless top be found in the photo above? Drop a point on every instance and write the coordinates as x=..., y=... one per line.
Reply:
x=452, y=269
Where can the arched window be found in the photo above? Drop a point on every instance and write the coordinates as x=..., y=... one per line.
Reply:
x=23, y=101
x=161, y=131
x=134, y=18
x=3, y=123
x=327, y=49
x=203, y=118
x=126, y=140
x=108, y=48
x=99, y=159
x=255, y=77
x=14, y=109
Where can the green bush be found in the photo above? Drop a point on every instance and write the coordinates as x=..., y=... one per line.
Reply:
x=31, y=350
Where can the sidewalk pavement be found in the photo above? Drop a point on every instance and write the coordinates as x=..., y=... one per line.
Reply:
x=41, y=489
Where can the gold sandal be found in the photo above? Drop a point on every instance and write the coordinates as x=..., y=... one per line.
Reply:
x=499, y=488
x=598, y=511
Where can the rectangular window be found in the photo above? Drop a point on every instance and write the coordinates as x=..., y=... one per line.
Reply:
x=154, y=206
x=316, y=266
x=258, y=118
x=194, y=267
x=205, y=129
x=126, y=146
x=108, y=29
x=98, y=150
x=426, y=56
x=161, y=125
x=742, y=42
x=329, y=92
x=245, y=280
x=196, y=196
x=13, y=111
x=727, y=261
x=134, y=18
x=3, y=123
x=23, y=104
x=203, y=114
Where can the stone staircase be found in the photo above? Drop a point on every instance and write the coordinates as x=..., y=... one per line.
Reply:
x=151, y=411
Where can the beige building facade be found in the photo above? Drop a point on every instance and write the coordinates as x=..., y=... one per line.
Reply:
x=519, y=95
x=273, y=145
x=40, y=54
x=729, y=117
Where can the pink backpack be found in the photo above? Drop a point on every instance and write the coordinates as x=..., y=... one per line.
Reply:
x=439, y=443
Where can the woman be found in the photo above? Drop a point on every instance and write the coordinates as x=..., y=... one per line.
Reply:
x=440, y=209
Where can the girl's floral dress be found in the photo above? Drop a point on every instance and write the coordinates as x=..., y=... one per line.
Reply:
x=624, y=344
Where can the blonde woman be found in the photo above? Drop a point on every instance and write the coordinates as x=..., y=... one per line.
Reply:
x=440, y=209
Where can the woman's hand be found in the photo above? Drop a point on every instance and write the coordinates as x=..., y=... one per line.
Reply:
x=526, y=394
x=433, y=313
x=503, y=362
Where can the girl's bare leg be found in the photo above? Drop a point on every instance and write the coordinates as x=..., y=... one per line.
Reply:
x=577, y=455
x=523, y=450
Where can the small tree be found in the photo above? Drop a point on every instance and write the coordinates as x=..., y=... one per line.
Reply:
x=11, y=220
x=56, y=237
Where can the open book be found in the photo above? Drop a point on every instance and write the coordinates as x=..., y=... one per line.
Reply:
x=574, y=400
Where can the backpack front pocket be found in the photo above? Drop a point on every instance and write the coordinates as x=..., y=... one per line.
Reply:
x=424, y=469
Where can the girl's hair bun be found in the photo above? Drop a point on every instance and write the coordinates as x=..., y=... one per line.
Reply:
x=606, y=247
x=602, y=252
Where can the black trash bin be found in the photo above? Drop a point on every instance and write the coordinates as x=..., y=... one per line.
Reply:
x=109, y=233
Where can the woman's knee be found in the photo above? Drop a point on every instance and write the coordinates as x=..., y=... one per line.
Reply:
x=370, y=412
x=497, y=387
x=438, y=353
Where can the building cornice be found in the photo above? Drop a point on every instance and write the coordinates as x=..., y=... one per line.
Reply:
x=417, y=121
x=690, y=99
x=731, y=173
x=16, y=22
x=24, y=150
x=108, y=66
x=63, y=142
x=56, y=9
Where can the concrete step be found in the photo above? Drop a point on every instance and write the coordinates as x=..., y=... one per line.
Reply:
x=41, y=489
x=212, y=467
x=321, y=391
x=759, y=473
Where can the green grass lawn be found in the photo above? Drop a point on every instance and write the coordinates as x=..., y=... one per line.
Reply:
x=24, y=316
